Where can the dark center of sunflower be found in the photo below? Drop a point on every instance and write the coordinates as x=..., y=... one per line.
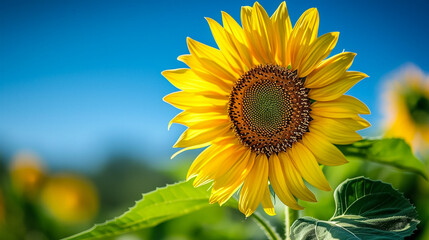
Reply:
x=269, y=108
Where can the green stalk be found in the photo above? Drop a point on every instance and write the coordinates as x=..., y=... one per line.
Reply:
x=290, y=216
x=269, y=231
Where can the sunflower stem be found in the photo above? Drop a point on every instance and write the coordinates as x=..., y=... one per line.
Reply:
x=290, y=216
x=269, y=231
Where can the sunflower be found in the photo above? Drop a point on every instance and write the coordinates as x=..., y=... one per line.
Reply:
x=267, y=106
x=70, y=198
x=27, y=174
x=408, y=98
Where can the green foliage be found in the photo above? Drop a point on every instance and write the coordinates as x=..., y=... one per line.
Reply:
x=161, y=205
x=389, y=151
x=155, y=207
x=122, y=180
x=365, y=209
x=265, y=226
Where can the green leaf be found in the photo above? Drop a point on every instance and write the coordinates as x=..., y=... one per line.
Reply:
x=163, y=204
x=365, y=209
x=158, y=206
x=390, y=151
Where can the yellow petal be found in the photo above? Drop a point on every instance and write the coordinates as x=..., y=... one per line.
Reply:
x=220, y=164
x=307, y=166
x=189, y=148
x=349, y=124
x=302, y=35
x=294, y=179
x=330, y=70
x=254, y=186
x=338, y=88
x=210, y=71
x=355, y=123
x=192, y=137
x=226, y=45
x=262, y=31
x=324, y=151
x=235, y=34
x=202, y=51
x=362, y=122
x=202, y=159
x=231, y=26
x=212, y=60
x=246, y=16
x=208, y=123
x=199, y=120
x=186, y=80
x=334, y=131
x=230, y=139
x=278, y=182
x=186, y=100
x=225, y=186
x=282, y=27
x=342, y=107
x=267, y=204
x=251, y=37
x=318, y=50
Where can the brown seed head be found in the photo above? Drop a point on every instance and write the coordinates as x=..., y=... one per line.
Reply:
x=269, y=108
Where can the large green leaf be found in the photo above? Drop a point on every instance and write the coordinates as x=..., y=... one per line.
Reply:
x=163, y=204
x=390, y=151
x=158, y=206
x=365, y=209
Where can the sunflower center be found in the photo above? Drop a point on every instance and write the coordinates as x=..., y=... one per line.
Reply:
x=269, y=108
x=266, y=107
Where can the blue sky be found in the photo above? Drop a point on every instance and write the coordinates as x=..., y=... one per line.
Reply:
x=80, y=79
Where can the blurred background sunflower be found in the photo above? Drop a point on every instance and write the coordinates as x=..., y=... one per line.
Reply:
x=27, y=174
x=69, y=198
x=407, y=106
x=81, y=90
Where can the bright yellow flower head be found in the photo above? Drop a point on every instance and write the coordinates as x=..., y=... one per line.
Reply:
x=27, y=174
x=70, y=199
x=267, y=105
x=408, y=101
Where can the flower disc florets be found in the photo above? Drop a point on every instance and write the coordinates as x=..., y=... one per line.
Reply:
x=269, y=108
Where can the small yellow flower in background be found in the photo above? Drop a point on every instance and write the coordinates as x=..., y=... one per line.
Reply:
x=407, y=99
x=267, y=105
x=27, y=174
x=69, y=198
